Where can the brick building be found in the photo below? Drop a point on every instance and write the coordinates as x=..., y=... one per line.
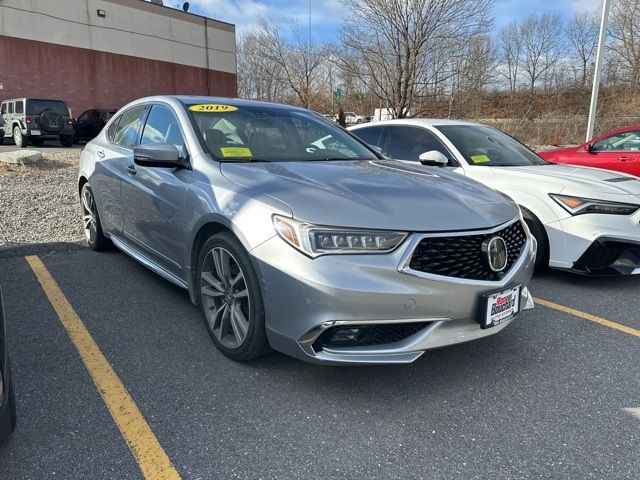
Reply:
x=105, y=53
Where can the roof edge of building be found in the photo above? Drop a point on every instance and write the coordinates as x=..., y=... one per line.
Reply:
x=175, y=13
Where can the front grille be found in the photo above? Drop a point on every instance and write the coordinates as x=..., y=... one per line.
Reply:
x=369, y=335
x=462, y=256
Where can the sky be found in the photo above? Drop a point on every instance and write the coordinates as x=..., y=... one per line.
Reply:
x=326, y=15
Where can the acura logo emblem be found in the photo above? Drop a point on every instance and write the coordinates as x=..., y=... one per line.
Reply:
x=495, y=249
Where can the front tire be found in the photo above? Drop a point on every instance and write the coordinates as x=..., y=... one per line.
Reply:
x=8, y=419
x=19, y=139
x=93, y=233
x=230, y=298
x=540, y=234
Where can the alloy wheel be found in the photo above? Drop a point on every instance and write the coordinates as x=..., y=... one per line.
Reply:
x=89, y=216
x=17, y=137
x=225, y=297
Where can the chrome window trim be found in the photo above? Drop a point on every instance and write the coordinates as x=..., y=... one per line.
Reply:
x=413, y=242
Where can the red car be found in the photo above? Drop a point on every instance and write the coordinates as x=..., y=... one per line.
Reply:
x=618, y=150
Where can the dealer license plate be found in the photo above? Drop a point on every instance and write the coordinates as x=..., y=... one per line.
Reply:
x=35, y=132
x=501, y=306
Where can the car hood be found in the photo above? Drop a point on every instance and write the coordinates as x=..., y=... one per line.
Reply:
x=556, y=150
x=567, y=179
x=376, y=194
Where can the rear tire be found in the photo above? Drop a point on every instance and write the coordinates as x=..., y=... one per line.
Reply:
x=94, y=235
x=230, y=298
x=19, y=139
x=540, y=234
x=66, y=141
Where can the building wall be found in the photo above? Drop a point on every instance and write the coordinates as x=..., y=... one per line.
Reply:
x=63, y=49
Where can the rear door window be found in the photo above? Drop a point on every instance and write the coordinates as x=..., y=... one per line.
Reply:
x=10, y=111
x=84, y=117
x=19, y=107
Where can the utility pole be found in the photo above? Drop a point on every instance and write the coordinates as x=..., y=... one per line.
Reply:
x=598, y=69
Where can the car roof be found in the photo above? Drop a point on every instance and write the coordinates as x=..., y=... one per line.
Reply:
x=434, y=122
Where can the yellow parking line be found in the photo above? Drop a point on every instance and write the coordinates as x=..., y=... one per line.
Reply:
x=587, y=316
x=152, y=459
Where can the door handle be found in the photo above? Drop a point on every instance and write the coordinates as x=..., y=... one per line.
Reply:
x=100, y=154
x=625, y=158
x=131, y=168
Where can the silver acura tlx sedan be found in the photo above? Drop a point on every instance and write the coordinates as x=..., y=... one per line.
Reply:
x=292, y=234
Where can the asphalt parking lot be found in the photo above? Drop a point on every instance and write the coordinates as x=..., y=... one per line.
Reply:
x=555, y=395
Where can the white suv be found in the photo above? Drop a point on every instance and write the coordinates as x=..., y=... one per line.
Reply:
x=34, y=120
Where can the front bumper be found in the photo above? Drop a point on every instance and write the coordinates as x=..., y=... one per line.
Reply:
x=36, y=132
x=609, y=256
x=595, y=244
x=305, y=297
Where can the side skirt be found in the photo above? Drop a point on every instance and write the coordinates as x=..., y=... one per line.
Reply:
x=150, y=264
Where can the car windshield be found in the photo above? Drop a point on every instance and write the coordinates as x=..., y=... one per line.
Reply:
x=272, y=133
x=36, y=107
x=489, y=147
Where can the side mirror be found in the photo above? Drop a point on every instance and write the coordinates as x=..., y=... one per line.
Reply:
x=164, y=155
x=590, y=147
x=434, y=158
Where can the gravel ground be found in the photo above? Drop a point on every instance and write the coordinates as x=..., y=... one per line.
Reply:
x=39, y=204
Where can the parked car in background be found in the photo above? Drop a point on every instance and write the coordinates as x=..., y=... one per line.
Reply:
x=352, y=118
x=585, y=220
x=2, y=127
x=7, y=398
x=618, y=150
x=34, y=120
x=88, y=125
x=321, y=250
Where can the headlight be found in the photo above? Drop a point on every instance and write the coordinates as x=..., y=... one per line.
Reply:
x=579, y=205
x=314, y=240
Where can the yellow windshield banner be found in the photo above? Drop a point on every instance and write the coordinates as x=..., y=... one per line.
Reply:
x=230, y=152
x=212, y=108
x=480, y=159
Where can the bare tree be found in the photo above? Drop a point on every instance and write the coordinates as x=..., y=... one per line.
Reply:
x=472, y=72
x=389, y=44
x=542, y=45
x=510, y=45
x=290, y=68
x=625, y=34
x=258, y=77
x=582, y=35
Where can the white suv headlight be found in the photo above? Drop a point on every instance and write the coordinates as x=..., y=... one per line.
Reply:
x=580, y=205
x=315, y=240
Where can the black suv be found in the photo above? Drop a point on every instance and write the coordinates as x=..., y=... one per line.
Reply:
x=34, y=120
x=90, y=123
